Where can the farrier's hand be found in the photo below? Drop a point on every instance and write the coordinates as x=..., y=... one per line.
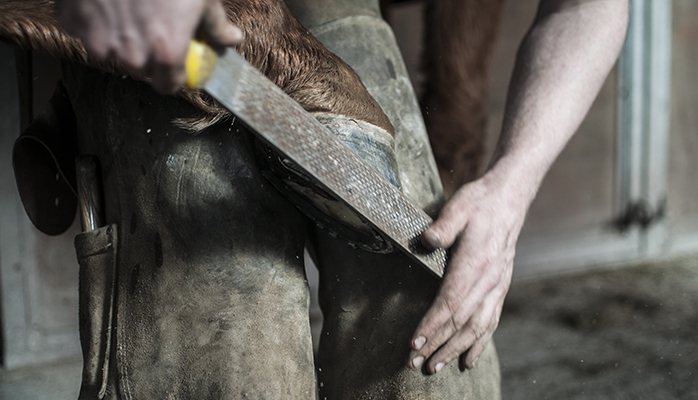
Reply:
x=148, y=37
x=561, y=65
x=481, y=222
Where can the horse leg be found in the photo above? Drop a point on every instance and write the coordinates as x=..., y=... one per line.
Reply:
x=460, y=37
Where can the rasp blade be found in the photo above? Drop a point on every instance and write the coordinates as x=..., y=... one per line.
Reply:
x=282, y=123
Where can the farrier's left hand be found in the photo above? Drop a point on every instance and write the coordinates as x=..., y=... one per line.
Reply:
x=481, y=224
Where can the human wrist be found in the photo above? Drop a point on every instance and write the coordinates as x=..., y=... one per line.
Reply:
x=517, y=179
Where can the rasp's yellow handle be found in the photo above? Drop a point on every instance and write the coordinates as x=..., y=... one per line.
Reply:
x=199, y=64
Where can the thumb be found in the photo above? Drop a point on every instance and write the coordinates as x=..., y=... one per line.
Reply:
x=216, y=29
x=444, y=231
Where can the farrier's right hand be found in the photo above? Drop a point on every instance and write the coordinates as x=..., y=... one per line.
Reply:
x=147, y=37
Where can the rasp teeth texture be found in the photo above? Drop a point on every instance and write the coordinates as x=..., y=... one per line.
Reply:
x=282, y=123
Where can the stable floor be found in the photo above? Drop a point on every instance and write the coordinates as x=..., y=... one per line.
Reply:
x=629, y=333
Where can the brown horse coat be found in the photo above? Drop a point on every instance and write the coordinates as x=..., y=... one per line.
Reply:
x=275, y=42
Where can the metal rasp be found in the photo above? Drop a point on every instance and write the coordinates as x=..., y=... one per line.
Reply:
x=283, y=124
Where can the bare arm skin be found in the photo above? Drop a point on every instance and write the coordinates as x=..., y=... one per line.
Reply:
x=561, y=66
x=149, y=38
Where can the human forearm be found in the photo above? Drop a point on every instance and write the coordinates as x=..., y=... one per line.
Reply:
x=561, y=65
x=560, y=68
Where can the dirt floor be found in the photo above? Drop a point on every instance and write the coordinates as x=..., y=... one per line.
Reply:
x=629, y=333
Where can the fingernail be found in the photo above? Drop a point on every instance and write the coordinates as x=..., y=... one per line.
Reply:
x=472, y=364
x=419, y=342
x=439, y=367
x=432, y=239
x=417, y=361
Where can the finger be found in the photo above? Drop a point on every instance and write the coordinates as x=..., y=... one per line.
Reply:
x=430, y=344
x=448, y=302
x=446, y=342
x=433, y=342
x=167, y=79
x=470, y=358
x=464, y=339
x=456, y=288
x=449, y=314
x=216, y=29
x=132, y=52
x=473, y=355
x=438, y=326
x=444, y=307
x=479, y=325
x=98, y=43
x=444, y=231
x=167, y=61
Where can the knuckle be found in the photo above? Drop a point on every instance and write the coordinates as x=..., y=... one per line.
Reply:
x=96, y=48
x=452, y=303
x=429, y=348
x=485, y=263
x=497, y=277
x=449, y=355
x=97, y=42
x=132, y=61
x=480, y=330
x=477, y=347
x=461, y=345
x=455, y=323
x=494, y=278
x=167, y=56
x=131, y=53
x=486, y=333
x=168, y=49
x=164, y=57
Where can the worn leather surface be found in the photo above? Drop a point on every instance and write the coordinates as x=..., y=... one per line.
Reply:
x=211, y=297
x=97, y=254
x=312, y=13
x=372, y=303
